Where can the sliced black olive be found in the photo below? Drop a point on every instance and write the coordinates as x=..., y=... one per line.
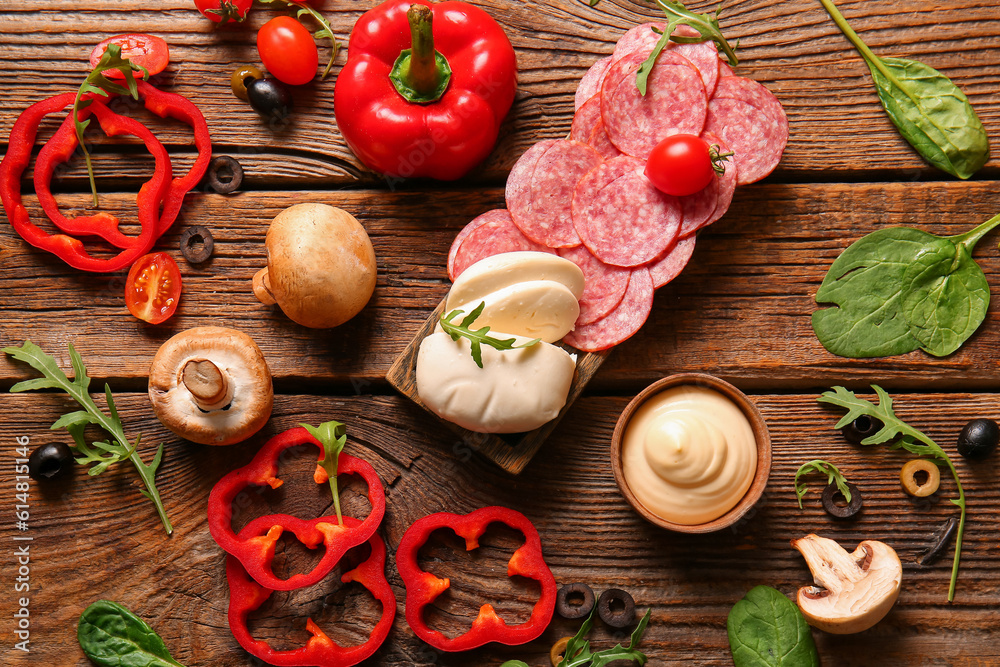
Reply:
x=575, y=601
x=861, y=428
x=616, y=608
x=241, y=79
x=197, y=244
x=269, y=98
x=225, y=174
x=50, y=460
x=978, y=439
x=832, y=494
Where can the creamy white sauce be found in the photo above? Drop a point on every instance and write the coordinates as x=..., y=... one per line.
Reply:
x=689, y=454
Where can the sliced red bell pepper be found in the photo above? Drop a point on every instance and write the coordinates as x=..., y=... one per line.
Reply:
x=256, y=550
x=422, y=588
x=63, y=144
x=246, y=595
x=423, y=93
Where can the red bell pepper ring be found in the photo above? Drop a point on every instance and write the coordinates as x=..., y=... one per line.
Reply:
x=246, y=595
x=422, y=588
x=61, y=147
x=256, y=552
x=71, y=250
x=441, y=115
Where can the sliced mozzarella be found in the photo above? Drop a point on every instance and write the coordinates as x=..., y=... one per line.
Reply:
x=515, y=390
x=537, y=309
x=506, y=269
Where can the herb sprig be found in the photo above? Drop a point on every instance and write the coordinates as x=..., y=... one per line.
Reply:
x=325, y=32
x=99, y=84
x=903, y=436
x=578, y=654
x=333, y=436
x=101, y=454
x=832, y=472
x=479, y=337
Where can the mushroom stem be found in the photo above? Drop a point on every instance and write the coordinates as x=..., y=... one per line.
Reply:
x=262, y=288
x=207, y=384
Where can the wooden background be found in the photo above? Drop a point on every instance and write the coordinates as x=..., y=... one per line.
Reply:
x=740, y=311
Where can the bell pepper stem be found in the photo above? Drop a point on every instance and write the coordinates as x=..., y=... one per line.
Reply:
x=421, y=74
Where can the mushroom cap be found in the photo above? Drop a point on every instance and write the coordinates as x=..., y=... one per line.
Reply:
x=853, y=591
x=250, y=394
x=320, y=265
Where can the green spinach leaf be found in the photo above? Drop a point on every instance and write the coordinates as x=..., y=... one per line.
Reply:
x=112, y=636
x=766, y=629
x=901, y=289
x=929, y=111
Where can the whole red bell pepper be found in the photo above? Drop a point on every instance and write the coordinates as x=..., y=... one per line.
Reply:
x=425, y=88
x=422, y=588
x=246, y=596
x=254, y=547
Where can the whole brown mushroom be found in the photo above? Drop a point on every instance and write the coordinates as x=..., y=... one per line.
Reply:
x=211, y=385
x=320, y=266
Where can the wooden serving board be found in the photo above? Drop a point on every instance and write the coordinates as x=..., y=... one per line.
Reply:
x=512, y=451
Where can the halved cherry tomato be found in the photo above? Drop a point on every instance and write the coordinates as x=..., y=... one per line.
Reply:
x=288, y=50
x=680, y=165
x=149, y=51
x=224, y=11
x=153, y=287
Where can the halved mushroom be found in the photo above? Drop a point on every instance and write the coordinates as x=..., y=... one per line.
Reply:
x=853, y=591
x=211, y=385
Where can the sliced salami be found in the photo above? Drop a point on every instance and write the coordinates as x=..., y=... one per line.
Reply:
x=601, y=143
x=640, y=39
x=489, y=234
x=621, y=217
x=621, y=323
x=668, y=267
x=604, y=285
x=585, y=120
x=674, y=103
x=703, y=55
x=725, y=70
x=703, y=207
x=590, y=84
x=756, y=135
x=540, y=190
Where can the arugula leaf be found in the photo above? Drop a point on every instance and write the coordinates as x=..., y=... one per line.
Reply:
x=903, y=436
x=325, y=32
x=98, y=84
x=766, y=629
x=930, y=111
x=479, y=336
x=333, y=436
x=577, y=653
x=902, y=289
x=101, y=454
x=112, y=636
x=823, y=467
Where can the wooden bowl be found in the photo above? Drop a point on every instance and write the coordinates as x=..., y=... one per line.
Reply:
x=761, y=436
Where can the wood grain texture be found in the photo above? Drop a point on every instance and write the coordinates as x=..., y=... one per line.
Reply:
x=740, y=310
x=97, y=537
x=792, y=47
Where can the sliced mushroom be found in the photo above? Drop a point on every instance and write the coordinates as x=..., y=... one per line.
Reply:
x=853, y=591
x=211, y=385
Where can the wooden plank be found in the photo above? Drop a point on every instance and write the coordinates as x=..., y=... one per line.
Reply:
x=740, y=310
x=97, y=537
x=792, y=47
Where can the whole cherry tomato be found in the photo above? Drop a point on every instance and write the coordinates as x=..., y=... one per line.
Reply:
x=149, y=51
x=153, y=287
x=224, y=11
x=288, y=50
x=681, y=165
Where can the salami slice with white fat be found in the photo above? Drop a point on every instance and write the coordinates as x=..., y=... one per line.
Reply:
x=725, y=70
x=623, y=218
x=489, y=234
x=621, y=323
x=601, y=143
x=668, y=267
x=603, y=285
x=540, y=190
x=590, y=84
x=749, y=118
x=703, y=55
x=586, y=118
x=675, y=103
x=711, y=203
